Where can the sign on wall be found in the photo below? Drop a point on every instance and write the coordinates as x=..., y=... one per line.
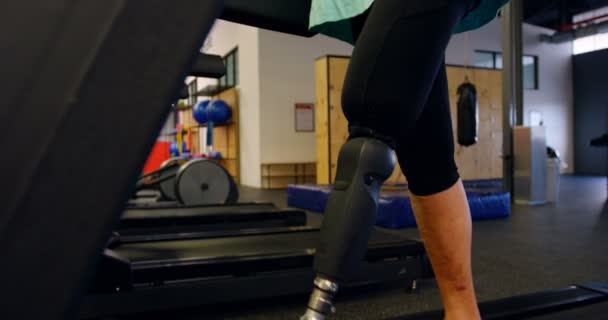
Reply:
x=305, y=117
x=536, y=118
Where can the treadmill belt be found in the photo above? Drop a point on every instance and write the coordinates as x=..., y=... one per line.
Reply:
x=137, y=224
x=162, y=252
x=171, y=212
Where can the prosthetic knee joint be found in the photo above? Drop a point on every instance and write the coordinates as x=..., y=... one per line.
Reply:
x=364, y=163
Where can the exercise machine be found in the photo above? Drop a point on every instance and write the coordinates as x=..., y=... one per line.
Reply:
x=177, y=179
x=195, y=269
x=90, y=57
x=158, y=185
x=78, y=78
x=193, y=182
x=195, y=195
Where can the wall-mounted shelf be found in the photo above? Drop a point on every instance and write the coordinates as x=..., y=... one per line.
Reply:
x=280, y=175
x=183, y=108
x=225, y=135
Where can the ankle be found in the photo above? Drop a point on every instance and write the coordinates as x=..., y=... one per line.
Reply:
x=462, y=305
x=462, y=314
x=462, y=311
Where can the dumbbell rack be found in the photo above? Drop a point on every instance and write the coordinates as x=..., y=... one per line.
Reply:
x=226, y=135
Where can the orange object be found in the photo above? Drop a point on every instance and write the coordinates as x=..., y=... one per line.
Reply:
x=159, y=153
x=189, y=140
x=180, y=137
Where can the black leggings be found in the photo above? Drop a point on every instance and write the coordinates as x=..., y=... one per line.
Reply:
x=396, y=85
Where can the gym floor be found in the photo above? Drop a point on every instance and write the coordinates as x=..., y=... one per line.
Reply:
x=537, y=248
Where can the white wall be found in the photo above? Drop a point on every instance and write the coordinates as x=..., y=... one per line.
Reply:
x=249, y=102
x=554, y=98
x=275, y=72
x=224, y=37
x=287, y=76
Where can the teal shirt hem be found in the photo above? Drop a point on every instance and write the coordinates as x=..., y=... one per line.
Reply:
x=332, y=17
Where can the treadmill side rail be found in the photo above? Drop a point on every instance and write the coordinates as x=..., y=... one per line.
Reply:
x=200, y=292
x=520, y=307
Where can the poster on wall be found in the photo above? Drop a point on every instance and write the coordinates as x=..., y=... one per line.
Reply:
x=305, y=117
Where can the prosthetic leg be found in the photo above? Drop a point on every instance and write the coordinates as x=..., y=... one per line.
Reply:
x=364, y=163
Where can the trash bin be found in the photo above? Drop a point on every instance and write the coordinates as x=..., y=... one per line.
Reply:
x=554, y=166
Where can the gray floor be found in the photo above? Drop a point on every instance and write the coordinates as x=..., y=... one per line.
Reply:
x=536, y=248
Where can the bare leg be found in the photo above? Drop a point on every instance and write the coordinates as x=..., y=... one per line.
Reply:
x=444, y=222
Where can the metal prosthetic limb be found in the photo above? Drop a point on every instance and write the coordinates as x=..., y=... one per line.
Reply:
x=364, y=163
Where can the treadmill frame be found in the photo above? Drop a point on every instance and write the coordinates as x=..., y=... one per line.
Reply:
x=225, y=290
x=138, y=287
x=89, y=70
x=78, y=78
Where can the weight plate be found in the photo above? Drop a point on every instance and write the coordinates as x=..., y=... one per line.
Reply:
x=204, y=182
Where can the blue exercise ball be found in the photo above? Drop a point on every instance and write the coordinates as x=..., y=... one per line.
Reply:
x=219, y=111
x=199, y=111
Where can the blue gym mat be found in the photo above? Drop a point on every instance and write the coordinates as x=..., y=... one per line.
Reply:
x=486, y=200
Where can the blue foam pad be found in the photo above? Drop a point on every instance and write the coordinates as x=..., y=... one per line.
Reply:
x=486, y=200
x=308, y=197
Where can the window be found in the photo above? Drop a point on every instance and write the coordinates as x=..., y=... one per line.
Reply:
x=594, y=42
x=493, y=60
x=498, y=61
x=484, y=59
x=590, y=43
x=192, y=90
x=530, y=72
x=230, y=79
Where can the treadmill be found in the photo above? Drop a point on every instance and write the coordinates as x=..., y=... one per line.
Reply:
x=94, y=52
x=169, y=256
x=204, y=268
